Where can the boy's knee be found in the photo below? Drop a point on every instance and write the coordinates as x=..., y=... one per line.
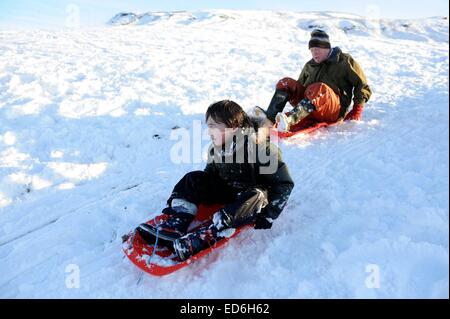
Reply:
x=195, y=176
x=256, y=195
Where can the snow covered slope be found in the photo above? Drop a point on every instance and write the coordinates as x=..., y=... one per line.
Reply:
x=85, y=124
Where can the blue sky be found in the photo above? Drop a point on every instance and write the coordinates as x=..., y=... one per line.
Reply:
x=53, y=13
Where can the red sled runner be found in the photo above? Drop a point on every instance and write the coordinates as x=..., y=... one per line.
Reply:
x=295, y=130
x=163, y=260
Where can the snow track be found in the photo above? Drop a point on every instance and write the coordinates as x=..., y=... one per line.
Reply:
x=86, y=117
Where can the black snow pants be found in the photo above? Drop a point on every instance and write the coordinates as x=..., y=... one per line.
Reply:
x=200, y=187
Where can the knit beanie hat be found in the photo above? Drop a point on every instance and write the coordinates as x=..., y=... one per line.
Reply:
x=319, y=39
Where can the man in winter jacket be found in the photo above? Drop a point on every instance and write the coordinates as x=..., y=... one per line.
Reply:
x=324, y=91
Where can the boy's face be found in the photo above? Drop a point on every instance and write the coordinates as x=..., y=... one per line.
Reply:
x=219, y=132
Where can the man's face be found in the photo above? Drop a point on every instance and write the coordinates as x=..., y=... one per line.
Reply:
x=319, y=54
x=219, y=132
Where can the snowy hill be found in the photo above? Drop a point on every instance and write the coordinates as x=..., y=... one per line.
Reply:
x=420, y=29
x=86, y=118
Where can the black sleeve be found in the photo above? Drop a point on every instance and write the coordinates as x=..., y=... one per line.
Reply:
x=210, y=166
x=279, y=186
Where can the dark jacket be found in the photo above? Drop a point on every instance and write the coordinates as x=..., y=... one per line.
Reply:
x=245, y=164
x=342, y=73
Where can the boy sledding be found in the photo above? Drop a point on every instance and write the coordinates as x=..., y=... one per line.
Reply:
x=244, y=173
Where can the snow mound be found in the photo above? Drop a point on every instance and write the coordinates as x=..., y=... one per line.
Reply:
x=434, y=28
x=124, y=18
x=178, y=17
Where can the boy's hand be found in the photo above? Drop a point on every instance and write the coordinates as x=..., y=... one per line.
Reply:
x=168, y=211
x=262, y=222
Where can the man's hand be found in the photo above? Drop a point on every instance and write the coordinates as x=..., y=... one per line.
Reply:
x=355, y=114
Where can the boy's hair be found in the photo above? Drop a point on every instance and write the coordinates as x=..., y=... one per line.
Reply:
x=229, y=113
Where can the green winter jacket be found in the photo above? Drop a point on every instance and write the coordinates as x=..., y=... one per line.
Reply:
x=343, y=74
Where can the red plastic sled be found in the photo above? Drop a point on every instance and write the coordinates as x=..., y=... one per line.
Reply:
x=296, y=130
x=164, y=260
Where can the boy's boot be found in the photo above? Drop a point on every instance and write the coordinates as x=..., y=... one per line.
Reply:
x=204, y=237
x=181, y=214
x=192, y=243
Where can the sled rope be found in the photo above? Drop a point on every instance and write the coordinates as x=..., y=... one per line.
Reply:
x=156, y=242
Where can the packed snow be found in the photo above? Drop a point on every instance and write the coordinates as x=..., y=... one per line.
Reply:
x=88, y=119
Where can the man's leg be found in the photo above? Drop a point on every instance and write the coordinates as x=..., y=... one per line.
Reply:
x=286, y=121
x=320, y=105
x=326, y=102
x=287, y=89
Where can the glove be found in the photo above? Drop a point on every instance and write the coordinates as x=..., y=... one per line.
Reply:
x=262, y=222
x=169, y=211
x=355, y=114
